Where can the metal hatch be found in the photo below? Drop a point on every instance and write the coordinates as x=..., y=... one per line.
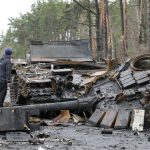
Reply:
x=78, y=50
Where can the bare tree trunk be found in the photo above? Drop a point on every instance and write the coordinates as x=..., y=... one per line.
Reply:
x=109, y=32
x=97, y=23
x=148, y=23
x=145, y=22
x=106, y=29
x=123, y=27
x=102, y=25
x=126, y=25
x=90, y=24
x=142, y=22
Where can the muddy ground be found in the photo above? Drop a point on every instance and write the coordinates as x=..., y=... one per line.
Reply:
x=75, y=137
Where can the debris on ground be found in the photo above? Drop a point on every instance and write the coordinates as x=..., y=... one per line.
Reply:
x=107, y=131
x=137, y=120
x=77, y=119
x=63, y=117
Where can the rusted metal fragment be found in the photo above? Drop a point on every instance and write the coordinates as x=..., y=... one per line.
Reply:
x=89, y=81
x=93, y=78
x=137, y=120
x=141, y=63
x=120, y=97
x=123, y=118
x=112, y=63
x=96, y=117
x=63, y=117
x=99, y=73
x=109, y=119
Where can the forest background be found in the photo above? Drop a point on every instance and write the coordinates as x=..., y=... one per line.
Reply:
x=115, y=29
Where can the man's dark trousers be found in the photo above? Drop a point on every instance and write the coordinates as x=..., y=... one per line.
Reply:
x=3, y=91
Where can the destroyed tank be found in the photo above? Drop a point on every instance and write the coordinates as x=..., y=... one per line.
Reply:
x=55, y=72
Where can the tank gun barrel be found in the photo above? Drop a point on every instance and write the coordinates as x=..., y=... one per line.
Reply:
x=80, y=104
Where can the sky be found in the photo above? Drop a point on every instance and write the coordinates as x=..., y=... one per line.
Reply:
x=12, y=8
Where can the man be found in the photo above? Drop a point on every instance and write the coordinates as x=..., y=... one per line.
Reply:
x=5, y=74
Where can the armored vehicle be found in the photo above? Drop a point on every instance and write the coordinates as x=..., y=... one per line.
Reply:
x=63, y=76
x=56, y=71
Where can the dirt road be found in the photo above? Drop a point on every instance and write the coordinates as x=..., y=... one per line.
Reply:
x=75, y=137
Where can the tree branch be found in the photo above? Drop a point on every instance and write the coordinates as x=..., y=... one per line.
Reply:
x=92, y=25
x=89, y=10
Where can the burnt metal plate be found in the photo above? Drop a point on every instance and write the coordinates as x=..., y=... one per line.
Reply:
x=123, y=118
x=96, y=117
x=13, y=119
x=109, y=119
x=78, y=50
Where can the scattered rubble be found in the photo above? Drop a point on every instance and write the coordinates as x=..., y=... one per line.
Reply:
x=137, y=121
x=107, y=131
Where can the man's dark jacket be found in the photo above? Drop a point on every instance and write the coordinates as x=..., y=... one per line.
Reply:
x=5, y=72
x=5, y=68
